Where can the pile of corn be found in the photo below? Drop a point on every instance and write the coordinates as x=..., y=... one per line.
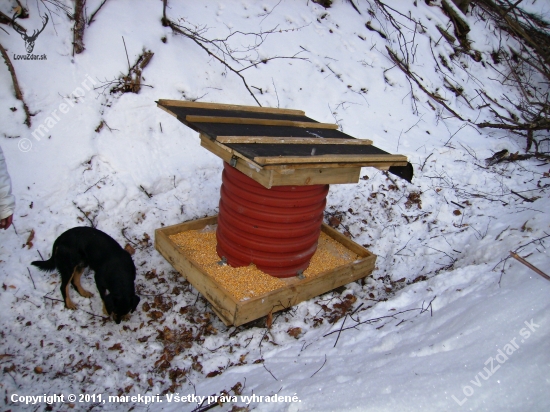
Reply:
x=248, y=281
x=329, y=255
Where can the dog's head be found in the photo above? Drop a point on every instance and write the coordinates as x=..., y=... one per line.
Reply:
x=120, y=306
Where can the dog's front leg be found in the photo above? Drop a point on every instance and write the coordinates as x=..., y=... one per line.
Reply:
x=102, y=293
x=76, y=282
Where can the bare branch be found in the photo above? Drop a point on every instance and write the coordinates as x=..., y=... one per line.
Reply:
x=6, y=20
x=79, y=26
x=530, y=266
x=222, y=50
x=405, y=69
x=18, y=93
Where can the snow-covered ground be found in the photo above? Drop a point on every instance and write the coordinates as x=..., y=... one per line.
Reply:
x=443, y=323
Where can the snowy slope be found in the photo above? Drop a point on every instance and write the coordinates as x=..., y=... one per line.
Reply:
x=439, y=306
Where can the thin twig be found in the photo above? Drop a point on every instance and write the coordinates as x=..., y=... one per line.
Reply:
x=126, y=237
x=91, y=19
x=320, y=367
x=340, y=331
x=47, y=297
x=97, y=316
x=160, y=294
x=85, y=214
x=149, y=195
x=263, y=364
x=373, y=320
x=95, y=183
x=425, y=160
x=31, y=278
x=26, y=300
x=126, y=50
x=523, y=197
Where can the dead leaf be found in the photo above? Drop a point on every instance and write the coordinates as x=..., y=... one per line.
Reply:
x=132, y=375
x=30, y=238
x=295, y=332
x=237, y=388
x=155, y=314
x=335, y=220
x=197, y=366
x=128, y=248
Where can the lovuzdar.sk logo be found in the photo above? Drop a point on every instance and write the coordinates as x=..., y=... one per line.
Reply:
x=29, y=40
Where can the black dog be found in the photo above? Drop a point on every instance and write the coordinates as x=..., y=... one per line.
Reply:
x=82, y=247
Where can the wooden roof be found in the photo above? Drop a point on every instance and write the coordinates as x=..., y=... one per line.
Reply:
x=282, y=141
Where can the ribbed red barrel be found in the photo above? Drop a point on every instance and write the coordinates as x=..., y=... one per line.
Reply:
x=276, y=229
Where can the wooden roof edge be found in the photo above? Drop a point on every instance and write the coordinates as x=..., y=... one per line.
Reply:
x=225, y=106
x=363, y=159
x=166, y=110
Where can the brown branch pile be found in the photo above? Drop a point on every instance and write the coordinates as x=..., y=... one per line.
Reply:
x=131, y=82
x=460, y=25
x=527, y=69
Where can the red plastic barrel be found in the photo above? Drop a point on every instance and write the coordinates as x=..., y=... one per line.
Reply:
x=276, y=229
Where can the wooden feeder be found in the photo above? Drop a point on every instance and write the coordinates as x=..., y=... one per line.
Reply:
x=272, y=156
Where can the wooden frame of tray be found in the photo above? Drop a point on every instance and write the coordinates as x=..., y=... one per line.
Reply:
x=234, y=312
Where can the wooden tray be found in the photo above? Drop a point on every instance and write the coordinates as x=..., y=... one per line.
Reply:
x=234, y=312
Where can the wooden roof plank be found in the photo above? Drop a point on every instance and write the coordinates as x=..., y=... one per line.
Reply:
x=262, y=122
x=347, y=158
x=290, y=140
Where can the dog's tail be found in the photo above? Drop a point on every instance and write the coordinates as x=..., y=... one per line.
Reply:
x=45, y=265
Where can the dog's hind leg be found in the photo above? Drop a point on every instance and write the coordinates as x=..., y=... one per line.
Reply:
x=76, y=282
x=105, y=309
x=66, y=278
x=66, y=267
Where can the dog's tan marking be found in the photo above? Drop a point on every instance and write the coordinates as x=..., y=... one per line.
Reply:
x=68, y=302
x=105, y=309
x=76, y=281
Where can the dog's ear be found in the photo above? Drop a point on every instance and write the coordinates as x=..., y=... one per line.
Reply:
x=135, y=302
x=109, y=304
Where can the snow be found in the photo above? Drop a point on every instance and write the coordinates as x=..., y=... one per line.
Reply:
x=442, y=301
